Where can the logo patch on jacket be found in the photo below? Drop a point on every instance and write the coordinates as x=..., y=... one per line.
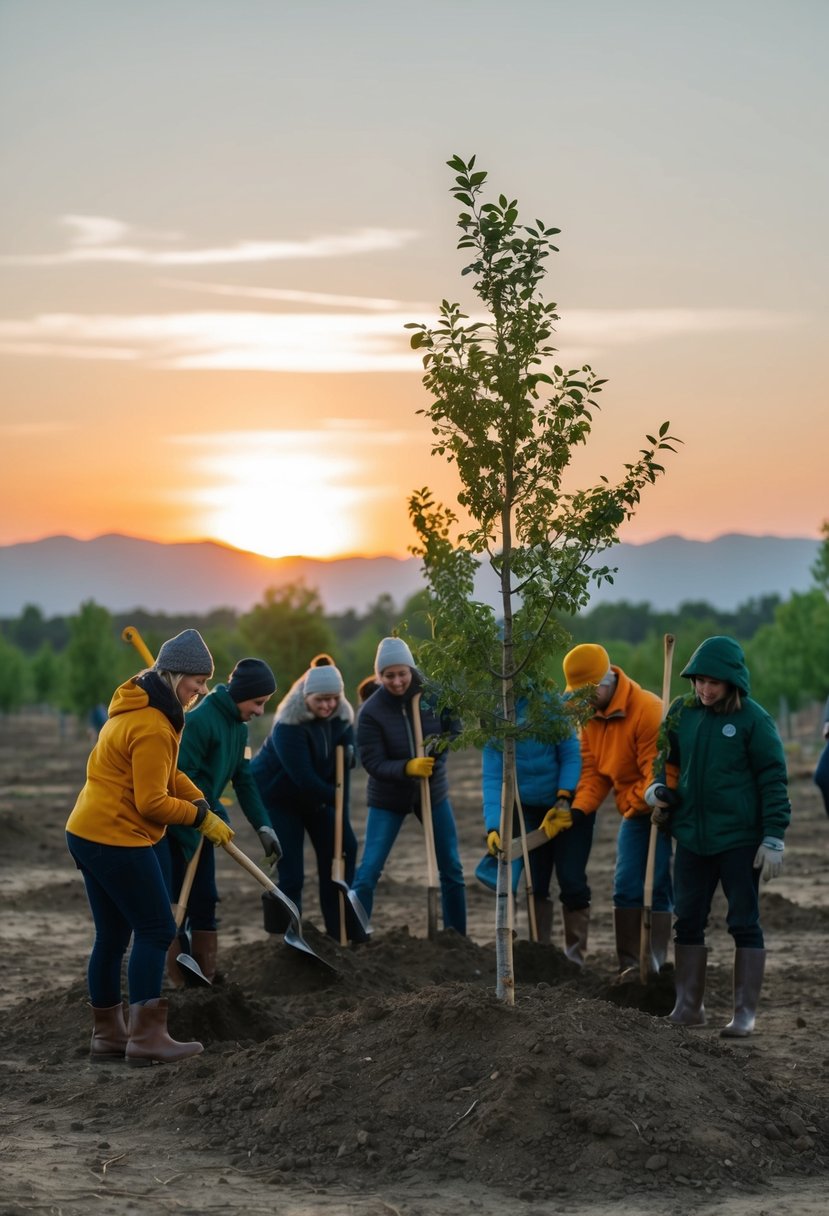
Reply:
x=729, y=730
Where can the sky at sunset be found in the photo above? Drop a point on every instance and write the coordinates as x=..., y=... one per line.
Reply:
x=218, y=215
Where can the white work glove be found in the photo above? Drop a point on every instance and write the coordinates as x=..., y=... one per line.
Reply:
x=658, y=794
x=270, y=843
x=769, y=856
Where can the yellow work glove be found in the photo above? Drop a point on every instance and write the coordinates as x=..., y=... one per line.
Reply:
x=493, y=842
x=421, y=766
x=557, y=819
x=214, y=828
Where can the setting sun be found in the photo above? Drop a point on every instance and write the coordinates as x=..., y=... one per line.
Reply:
x=280, y=494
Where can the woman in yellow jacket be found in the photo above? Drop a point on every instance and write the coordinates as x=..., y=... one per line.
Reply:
x=133, y=790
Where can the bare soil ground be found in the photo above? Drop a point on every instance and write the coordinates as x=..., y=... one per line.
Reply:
x=396, y=1084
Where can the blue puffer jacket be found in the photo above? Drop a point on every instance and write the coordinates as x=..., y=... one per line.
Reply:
x=295, y=766
x=542, y=769
x=385, y=741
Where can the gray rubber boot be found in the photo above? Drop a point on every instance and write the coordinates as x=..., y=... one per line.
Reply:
x=627, y=925
x=661, y=924
x=543, y=919
x=749, y=965
x=576, y=924
x=691, y=963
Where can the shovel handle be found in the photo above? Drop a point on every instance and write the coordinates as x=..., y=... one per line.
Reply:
x=428, y=829
x=337, y=868
x=130, y=634
x=180, y=908
x=251, y=866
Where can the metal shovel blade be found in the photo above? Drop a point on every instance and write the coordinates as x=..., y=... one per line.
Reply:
x=191, y=972
x=356, y=918
x=281, y=917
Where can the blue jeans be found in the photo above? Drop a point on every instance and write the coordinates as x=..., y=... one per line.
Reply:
x=204, y=896
x=382, y=828
x=128, y=896
x=821, y=777
x=697, y=879
x=567, y=854
x=631, y=862
x=290, y=827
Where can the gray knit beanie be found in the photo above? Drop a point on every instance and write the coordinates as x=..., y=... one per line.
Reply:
x=392, y=652
x=324, y=681
x=185, y=654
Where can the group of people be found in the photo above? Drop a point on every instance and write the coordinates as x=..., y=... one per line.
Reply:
x=711, y=776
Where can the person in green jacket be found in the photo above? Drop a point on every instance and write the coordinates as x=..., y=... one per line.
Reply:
x=214, y=753
x=720, y=789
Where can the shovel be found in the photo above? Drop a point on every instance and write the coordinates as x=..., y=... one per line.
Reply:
x=281, y=913
x=354, y=924
x=428, y=830
x=191, y=972
x=648, y=966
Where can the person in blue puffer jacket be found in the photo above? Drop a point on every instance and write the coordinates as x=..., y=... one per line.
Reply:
x=386, y=743
x=547, y=775
x=295, y=770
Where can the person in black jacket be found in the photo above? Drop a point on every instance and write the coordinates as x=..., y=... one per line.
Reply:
x=821, y=775
x=295, y=770
x=386, y=744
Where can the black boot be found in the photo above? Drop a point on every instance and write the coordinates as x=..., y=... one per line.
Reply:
x=109, y=1034
x=543, y=919
x=576, y=922
x=749, y=965
x=627, y=925
x=661, y=923
x=691, y=963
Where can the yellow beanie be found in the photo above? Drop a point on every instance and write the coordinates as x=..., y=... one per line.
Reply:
x=585, y=664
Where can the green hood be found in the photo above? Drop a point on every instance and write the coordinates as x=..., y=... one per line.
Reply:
x=720, y=658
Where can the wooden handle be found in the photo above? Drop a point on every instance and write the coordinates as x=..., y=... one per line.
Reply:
x=339, y=799
x=180, y=908
x=667, y=664
x=130, y=634
x=425, y=799
x=246, y=864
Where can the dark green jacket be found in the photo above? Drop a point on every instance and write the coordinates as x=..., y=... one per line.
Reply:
x=215, y=745
x=729, y=769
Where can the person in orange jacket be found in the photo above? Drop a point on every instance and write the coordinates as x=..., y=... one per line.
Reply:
x=618, y=748
x=134, y=789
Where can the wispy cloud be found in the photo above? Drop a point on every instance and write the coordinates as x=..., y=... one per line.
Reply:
x=332, y=342
x=97, y=238
x=284, y=295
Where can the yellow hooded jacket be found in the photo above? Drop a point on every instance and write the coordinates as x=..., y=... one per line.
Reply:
x=133, y=786
x=618, y=747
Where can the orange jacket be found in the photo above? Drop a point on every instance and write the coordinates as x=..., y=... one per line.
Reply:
x=133, y=787
x=618, y=747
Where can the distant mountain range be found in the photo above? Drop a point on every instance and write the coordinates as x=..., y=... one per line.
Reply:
x=122, y=573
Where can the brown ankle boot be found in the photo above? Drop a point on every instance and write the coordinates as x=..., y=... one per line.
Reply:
x=149, y=1042
x=205, y=948
x=110, y=1034
x=749, y=965
x=576, y=923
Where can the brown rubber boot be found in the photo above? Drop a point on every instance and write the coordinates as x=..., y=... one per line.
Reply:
x=204, y=945
x=691, y=962
x=172, y=968
x=149, y=1042
x=576, y=922
x=749, y=965
x=661, y=923
x=110, y=1034
x=627, y=925
x=543, y=919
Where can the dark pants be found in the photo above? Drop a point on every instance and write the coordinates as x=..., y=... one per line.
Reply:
x=128, y=896
x=204, y=896
x=566, y=854
x=695, y=881
x=822, y=776
x=291, y=828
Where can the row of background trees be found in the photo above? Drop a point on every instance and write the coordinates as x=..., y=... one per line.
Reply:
x=72, y=663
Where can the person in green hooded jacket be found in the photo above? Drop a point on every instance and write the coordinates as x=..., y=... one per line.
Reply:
x=720, y=789
x=214, y=753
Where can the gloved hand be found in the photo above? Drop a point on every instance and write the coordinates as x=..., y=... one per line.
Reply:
x=770, y=857
x=270, y=843
x=661, y=819
x=557, y=819
x=660, y=795
x=214, y=828
x=493, y=842
x=421, y=766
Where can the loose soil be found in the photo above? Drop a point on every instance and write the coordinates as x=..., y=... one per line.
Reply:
x=394, y=1083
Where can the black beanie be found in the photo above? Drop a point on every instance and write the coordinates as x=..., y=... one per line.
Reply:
x=251, y=678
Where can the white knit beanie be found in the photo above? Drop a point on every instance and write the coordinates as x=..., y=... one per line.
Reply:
x=392, y=652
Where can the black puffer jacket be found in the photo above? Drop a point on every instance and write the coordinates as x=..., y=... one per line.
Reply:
x=385, y=741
